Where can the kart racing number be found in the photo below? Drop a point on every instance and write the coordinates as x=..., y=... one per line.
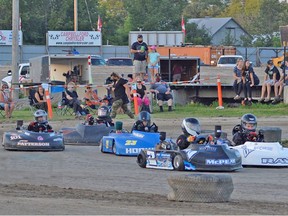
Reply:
x=130, y=142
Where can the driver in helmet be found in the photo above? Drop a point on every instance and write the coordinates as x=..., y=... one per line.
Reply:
x=40, y=124
x=104, y=116
x=246, y=131
x=191, y=129
x=144, y=123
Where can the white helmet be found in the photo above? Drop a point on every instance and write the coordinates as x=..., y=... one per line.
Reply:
x=191, y=126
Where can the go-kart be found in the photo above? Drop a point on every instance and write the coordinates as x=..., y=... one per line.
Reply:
x=22, y=139
x=263, y=154
x=85, y=134
x=130, y=144
x=205, y=156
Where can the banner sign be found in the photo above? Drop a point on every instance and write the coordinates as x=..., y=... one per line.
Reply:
x=6, y=38
x=74, y=38
x=284, y=35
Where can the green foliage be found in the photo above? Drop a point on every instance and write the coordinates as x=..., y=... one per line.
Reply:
x=195, y=35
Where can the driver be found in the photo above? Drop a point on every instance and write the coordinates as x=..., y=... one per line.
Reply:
x=191, y=129
x=143, y=123
x=104, y=116
x=246, y=131
x=40, y=124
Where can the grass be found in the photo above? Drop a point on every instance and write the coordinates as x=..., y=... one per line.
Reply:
x=191, y=110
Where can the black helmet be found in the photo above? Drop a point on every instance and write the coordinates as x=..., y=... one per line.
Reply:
x=145, y=116
x=249, y=122
x=103, y=112
x=40, y=113
x=191, y=126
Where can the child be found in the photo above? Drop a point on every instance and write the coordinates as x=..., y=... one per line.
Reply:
x=40, y=124
x=143, y=123
x=154, y=58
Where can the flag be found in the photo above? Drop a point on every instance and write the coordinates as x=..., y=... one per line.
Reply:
x=99, y=24
x=20, y=24
x=183, y=26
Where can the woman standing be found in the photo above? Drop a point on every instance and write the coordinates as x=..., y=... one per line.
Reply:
x=248, y=82
x=237, y=75
x=154, y=58
x=6, y=102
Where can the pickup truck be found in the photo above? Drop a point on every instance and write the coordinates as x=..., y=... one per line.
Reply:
x=24, y=73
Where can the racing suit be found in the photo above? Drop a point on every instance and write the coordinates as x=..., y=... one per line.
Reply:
x=139, y=126
x=240, y=137
x=39, y=127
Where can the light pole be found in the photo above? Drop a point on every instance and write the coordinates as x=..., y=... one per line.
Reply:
x=15, y=46
x=75, y=16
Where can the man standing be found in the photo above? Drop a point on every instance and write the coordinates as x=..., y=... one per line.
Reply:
x=140, y=50
x=121, y=92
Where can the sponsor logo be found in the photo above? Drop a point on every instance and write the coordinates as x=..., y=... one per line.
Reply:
x=57, y=139
x=14, y=137
x=136, y=150
x=220, y=161
x=274, y=161
x=131, y=142
x=40, y=138
x=138, y=134
x=247, y=151
x=32, y=144
x=207, y=148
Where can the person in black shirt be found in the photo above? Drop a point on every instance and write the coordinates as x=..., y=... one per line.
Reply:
x=121, y=92
x=140, y=51
x=248, y=82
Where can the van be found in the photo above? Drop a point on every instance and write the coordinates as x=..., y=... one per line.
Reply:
x=228, y=60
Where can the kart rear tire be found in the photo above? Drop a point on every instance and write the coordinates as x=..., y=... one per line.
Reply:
x=141, y=159
x=178, y=163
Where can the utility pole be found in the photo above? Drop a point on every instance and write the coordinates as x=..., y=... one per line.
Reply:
x=75, y=16
x=15, y=46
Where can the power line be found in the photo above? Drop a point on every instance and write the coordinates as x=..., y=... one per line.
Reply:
x=89, y=16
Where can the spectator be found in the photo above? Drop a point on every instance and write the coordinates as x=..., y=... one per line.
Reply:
x=142, y=98
x=139, y=49
x=91, y=98
x=73, y=101
x=248, y=82
x=272, y=76
x=6, y=101
x=121, y=92
x=237, y=75
x=278, y=87
x=40, y=99
x=154, y=59
x=177, y=71
x=163, y=93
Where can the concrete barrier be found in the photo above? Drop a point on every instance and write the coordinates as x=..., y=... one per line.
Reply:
x=201, y=188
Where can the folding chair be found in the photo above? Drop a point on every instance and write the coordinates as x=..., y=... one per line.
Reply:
x=2, y=111
x=63, y=108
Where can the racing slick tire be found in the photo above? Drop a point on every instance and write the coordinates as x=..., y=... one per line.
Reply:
x=178, y=163
x=201, y=188
x=114, y=148
x=141, y=159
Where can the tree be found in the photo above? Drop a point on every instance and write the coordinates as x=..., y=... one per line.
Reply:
x=197, y=36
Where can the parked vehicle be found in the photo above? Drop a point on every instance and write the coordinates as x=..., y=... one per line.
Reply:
x=24, y=73
x=228, y=60
x=97, y=60
x=119, y=61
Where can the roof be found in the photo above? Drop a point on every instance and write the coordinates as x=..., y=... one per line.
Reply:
x=213, y=24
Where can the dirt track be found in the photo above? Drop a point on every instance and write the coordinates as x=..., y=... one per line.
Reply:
x=81, y=180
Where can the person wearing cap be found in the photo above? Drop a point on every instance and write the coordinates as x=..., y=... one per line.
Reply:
x=272, y=76
x=121, y=92
x=154, y=58
x=139, y=49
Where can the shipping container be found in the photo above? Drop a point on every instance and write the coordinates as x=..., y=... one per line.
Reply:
x=209, y=55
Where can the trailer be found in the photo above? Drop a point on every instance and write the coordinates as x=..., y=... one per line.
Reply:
x=47, y=68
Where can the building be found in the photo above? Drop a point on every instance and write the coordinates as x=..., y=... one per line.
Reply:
x=222, y=30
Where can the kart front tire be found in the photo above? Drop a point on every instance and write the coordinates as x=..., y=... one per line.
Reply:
x=114, y=148
x=101, y=145
x=178, y=163
x=141, y=159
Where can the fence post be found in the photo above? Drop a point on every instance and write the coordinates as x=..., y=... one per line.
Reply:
x=219, y=91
